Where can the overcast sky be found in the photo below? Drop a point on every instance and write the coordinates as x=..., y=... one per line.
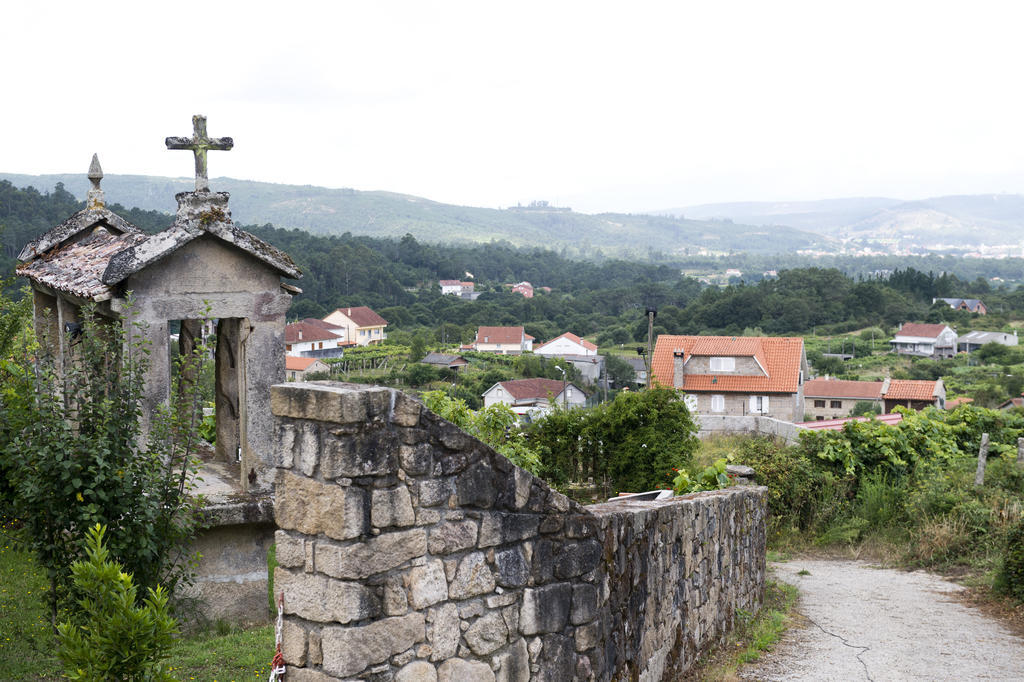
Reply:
x=624, y=106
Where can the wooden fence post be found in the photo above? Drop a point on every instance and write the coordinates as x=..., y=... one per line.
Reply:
x=979, y=476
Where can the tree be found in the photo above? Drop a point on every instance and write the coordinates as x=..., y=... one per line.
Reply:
x=619, y=371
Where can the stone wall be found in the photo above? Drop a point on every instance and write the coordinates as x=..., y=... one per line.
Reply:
x=408, y=550
x=711, y=425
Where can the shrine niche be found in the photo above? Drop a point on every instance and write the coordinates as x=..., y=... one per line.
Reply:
x=202, y=272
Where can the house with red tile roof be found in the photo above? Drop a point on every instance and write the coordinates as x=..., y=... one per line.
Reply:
x=916, y=395
x=828, y=398
x=503, y=340
x=362, y=326
x=314, y=338
x=925, y=340
x=534, y=396
x=296, y=368
x=734, y=375
x=566, y=344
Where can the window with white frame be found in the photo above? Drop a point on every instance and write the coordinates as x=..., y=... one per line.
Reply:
x=758, y=404
x=718, y=403
x=723, y=364
x=690, y=401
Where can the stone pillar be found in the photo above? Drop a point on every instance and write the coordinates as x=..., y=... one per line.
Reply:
x=262, y=357
x=979, y=475
x=227, y=367
x=45, y=323
x=156, y=390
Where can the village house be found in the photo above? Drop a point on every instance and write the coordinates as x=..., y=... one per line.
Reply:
x=566, y=344
x=296, y=368
x=972, y=341
x=454, y=287
x=914, y=394
x=971, y=305
x=362, y=326
x=827, y=398
x=730, y=375
x=1012, y=403
x=445, y=361
x=503, y=340
x=639, y=366
x=315, y=339
x=534, y=397
x=524, y=288
x=925, y=340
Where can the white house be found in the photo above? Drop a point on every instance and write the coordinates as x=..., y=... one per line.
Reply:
x=296, y=369
x=534, y=396
x=363, y=326
x=926, y=340
x=503, y=340
x=314, y=338
x=566, y=344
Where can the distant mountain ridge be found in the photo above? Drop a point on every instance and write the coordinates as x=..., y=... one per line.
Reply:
x=386, y=214
x=965, y=219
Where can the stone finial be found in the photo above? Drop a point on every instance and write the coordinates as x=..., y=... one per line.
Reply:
x=199, y=144
x=94, y=200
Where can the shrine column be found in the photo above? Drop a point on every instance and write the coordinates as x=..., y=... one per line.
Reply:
x=262, y=353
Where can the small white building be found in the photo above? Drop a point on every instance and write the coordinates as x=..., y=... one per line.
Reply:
x=534, y=396
x=972, y=341
x=296, y=368
x=566, y=344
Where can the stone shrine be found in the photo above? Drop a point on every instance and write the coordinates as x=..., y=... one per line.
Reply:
x=201, y=267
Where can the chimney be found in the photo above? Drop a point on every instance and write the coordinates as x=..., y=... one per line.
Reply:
x=300, y=335
x=678, y=368
x=350, y=312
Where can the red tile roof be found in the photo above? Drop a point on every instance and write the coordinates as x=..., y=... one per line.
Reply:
x=836, y=388
x=907, y=389
x=294, y=364
x=928, y=331
x=363, y=316
x=522, y=389
x=781, y=358
x=330, y=326
x=501, y=335
x=572, y=337
x=300, y=332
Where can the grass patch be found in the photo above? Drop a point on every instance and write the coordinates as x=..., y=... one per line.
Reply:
x=224, y=653
x=753, y=635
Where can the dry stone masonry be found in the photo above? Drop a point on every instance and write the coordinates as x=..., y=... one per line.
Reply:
x=410, y=551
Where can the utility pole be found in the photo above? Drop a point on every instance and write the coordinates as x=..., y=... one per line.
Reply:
x=651, y=314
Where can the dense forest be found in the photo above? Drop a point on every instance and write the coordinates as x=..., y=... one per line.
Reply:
x=398, y=278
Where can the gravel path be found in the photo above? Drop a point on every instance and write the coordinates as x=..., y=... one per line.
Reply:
x=867, y=623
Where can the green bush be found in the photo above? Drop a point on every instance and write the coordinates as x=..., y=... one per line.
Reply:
x=1012, y=574
x=108, y=636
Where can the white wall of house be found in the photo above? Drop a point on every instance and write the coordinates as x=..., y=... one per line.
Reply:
x=299, y=347
x=563, y=346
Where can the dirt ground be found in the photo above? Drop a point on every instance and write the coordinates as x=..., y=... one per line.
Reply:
x=866, y=623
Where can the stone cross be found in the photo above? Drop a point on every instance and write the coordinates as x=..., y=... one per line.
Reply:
x=94, y=200
x=199, y=143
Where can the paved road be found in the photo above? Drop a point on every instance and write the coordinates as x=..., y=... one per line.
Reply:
x=883, y=625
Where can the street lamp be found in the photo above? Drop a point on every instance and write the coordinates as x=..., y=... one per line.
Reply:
x=560, y=369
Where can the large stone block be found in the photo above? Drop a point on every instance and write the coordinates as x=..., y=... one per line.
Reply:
x=350, y=650
x=392, y=508
x=361, y=560
x=458, y=670
x=426, y=584
x=417, y=671
x=472, y=577
x=514, y=664
x=513, y=567
x=372, y=451
x=318, y=598
x=452, y=537
x=406, y=410
x=545, y=609
x=312, y=507
x=577, y=558
x=488, y=633
x=416, y=459
x=293, y=643
x=308, y=675
x=322, y=402
x=443, y=631
x=585, y=602
x=498, y=528
x=290, y=550
x=475, y=486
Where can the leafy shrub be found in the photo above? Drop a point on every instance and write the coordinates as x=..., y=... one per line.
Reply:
x=108, y=636
x=1012, y=573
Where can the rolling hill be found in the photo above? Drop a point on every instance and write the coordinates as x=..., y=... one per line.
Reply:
x=385, y=214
